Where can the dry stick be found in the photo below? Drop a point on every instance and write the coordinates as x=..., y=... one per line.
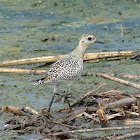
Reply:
x=109, y=117
x=51, y=59
x=131, y=113
x=121, y=103
x=31, y=71
x=107, y=58
x=119, y=80
x=125, y=136
x=95, y=129
x=86, y=95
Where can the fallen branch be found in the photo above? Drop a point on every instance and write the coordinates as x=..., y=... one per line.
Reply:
x=119, y=80
x=95, y=129
x=72, y=115
x=31, y=71
x=109, y=117
x=126, y=136
x=15, y=110
x=121, y=103
x=130, y=113
x=52, y=59
x=89, y=116
x=86, y=95
x=25, y=111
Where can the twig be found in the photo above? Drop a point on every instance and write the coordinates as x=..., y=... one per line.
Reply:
x=129, y=113
x=52, y=59
x=109, y=117
x=95, y=129
x=72, y=115
x=30, y=110
x=119, y=80
x=131, y=76
x=128, y=135
x=86, y=95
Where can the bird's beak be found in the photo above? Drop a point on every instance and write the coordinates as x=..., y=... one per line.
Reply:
x=99, y=42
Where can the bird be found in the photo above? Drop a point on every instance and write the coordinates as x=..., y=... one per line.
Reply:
x=64, y=71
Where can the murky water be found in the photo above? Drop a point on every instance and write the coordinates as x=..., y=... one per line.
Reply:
x=24, y=25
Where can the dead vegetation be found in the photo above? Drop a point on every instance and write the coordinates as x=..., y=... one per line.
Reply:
x=88, y=111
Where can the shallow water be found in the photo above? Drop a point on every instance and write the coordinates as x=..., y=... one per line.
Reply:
x=25, y=25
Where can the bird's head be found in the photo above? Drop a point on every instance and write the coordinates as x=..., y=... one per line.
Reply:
x=88, y=39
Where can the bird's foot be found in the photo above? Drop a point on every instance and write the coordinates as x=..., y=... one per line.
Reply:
x=63, y=97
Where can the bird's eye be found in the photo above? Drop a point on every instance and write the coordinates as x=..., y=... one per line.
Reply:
x=89, y=38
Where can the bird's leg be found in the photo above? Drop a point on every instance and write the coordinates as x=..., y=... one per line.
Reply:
x=51, y=102
x=66, y=97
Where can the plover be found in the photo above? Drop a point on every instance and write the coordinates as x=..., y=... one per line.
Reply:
x=67, y=69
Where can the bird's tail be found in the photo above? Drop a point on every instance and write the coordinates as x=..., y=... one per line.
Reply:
x=39, y=81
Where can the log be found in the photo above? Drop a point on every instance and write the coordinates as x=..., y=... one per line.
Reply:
x=29, y=71
x=119, y=80
x=52, y=59
x=121, y=103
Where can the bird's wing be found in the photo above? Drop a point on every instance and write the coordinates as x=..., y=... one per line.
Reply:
x=64, y=69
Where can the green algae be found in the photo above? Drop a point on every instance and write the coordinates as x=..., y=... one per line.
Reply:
x=43, y=28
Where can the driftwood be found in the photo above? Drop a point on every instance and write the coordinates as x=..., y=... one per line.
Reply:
x=52, y=59
x=26, y=111
x=119, y=80
x=31, y=71
x=14, y=110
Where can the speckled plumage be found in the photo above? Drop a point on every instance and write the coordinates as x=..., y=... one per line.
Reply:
x=68, y=68
x=63, y=71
